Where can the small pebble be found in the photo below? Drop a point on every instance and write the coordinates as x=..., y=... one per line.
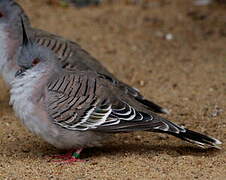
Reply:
x=216, y=111
x=141, y=83
x=138, y=138
x=169, y=37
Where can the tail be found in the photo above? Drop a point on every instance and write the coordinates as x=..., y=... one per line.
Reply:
x=154, y=123
x=196, y=138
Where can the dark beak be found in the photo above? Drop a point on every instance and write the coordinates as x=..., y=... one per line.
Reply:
x=20, y=72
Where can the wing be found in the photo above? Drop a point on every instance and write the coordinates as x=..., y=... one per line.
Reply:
x=72, y=56
x=87, y=102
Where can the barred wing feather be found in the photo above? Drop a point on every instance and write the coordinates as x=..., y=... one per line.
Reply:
x=74, y=103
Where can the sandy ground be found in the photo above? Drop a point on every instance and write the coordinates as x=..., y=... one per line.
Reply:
x=173, y=52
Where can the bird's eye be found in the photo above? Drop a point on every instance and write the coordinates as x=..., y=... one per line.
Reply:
x=35, y=61
x=1, y=15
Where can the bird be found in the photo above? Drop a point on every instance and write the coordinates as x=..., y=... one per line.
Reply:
x=77, y=3
x=76, y=109
x=208, y=2
x=70, y=55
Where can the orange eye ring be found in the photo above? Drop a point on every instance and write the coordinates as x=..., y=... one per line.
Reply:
x=35, y=61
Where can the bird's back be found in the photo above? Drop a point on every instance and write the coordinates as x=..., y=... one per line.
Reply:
x=73, y=57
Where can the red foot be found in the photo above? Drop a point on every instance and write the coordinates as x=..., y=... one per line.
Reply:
x=65, y=156
x=70, y=157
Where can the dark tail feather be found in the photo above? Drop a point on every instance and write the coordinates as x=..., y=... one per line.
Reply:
x=197, y=138
x=188, y=135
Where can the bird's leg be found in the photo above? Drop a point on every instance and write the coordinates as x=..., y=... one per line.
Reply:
x=76, y=154
x=70, y=157
x=64, y=156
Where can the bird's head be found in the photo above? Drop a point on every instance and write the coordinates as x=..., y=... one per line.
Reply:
x=32, y=56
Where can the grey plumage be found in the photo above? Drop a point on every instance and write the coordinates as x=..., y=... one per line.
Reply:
x=74, y=109
x=83, y=3
x=70, y=54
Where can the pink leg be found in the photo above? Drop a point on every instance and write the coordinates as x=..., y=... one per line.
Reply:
x=64, y=156
x=70, y=157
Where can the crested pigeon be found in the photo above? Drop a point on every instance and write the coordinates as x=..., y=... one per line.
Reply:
x=83, y=3
x=70, y=54
x=77, y=109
